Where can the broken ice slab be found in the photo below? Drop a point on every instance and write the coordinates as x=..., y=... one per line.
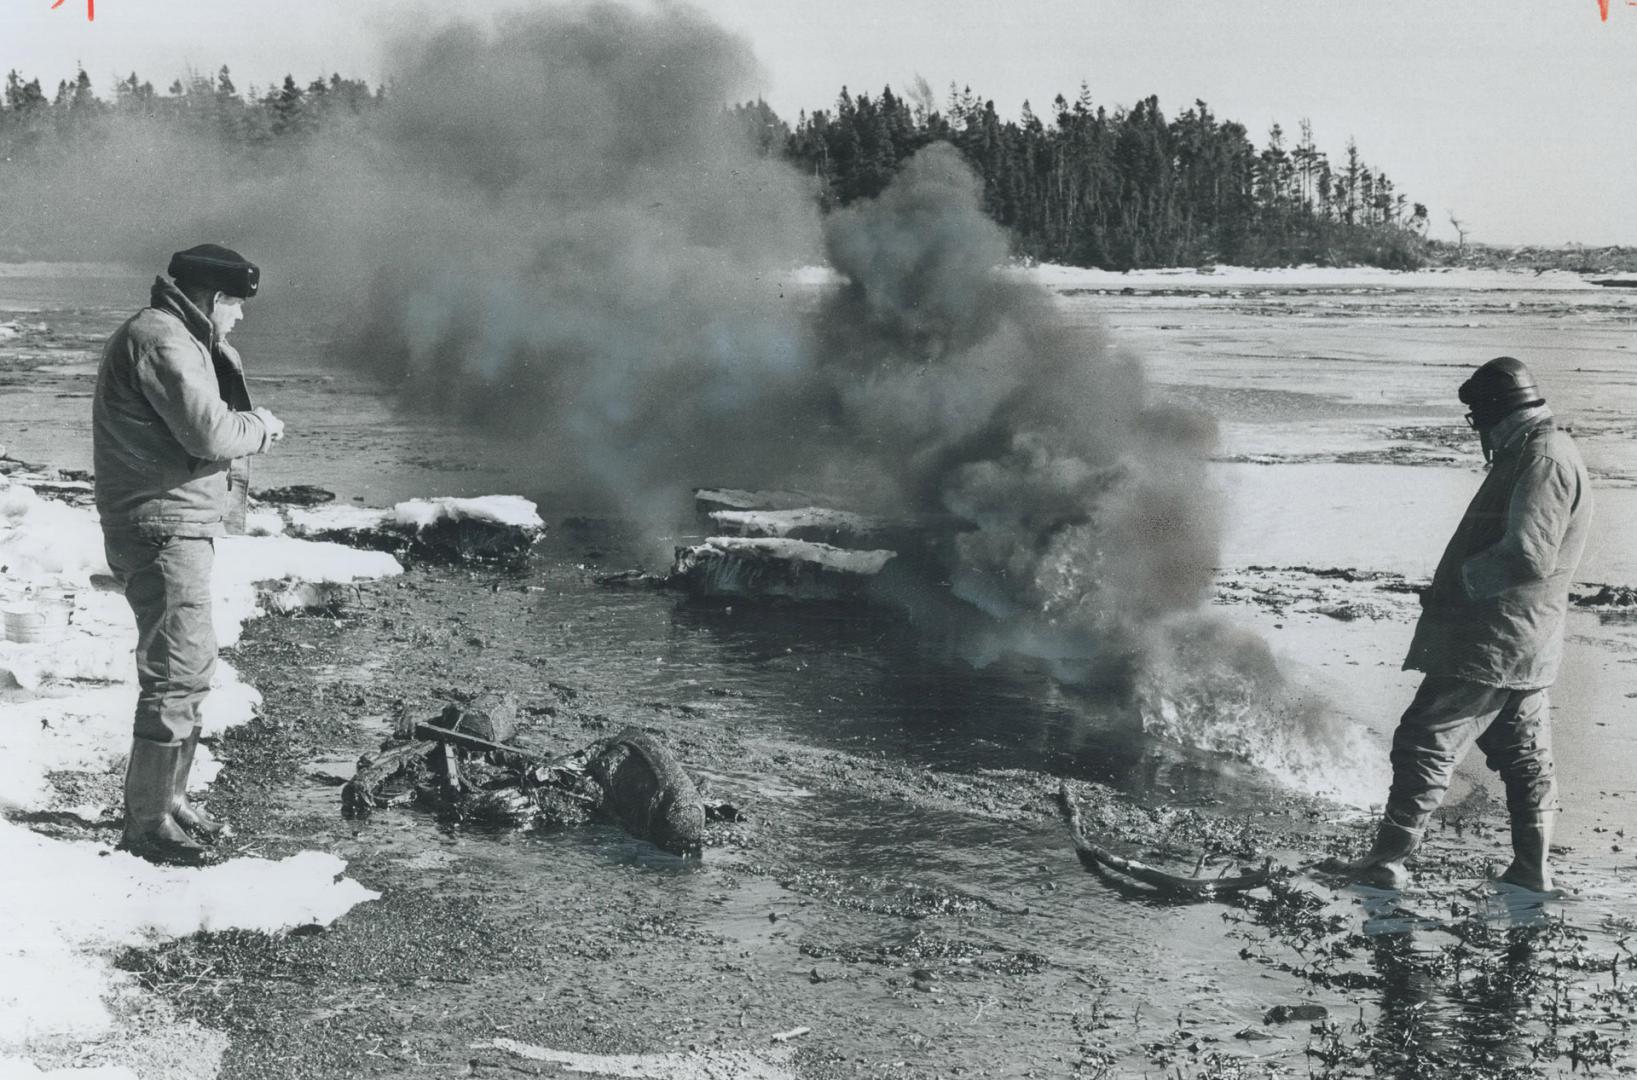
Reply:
x=842, y=528
x=796, y=515
x=491, y=528
x=733, y=566
x=710, y=500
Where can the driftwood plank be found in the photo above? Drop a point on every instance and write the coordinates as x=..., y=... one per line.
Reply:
x=503, y=754
x=1094, y=856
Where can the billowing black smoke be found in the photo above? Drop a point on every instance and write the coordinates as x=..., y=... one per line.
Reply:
x=598, y=267
x=551, y=231
x=968, y=393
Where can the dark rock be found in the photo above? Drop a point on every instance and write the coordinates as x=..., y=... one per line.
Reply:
x=296, y=495
x=1280, y=1014
x=488, y=716
x=1607, y=596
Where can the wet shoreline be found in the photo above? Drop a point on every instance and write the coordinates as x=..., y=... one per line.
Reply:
x=824, y=909
x=901, y=887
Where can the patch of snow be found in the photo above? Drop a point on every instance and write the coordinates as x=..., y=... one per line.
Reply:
x=333, y=518
x=263, y=522
x=707, y=1065
x=510, y=510
x=67, y=706
x=513, y=510
x=242, y=561
x=1299, y=277
x=85, y=900
x=42, y=540
x=20, y=1069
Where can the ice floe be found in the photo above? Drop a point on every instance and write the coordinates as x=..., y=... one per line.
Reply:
x=447, y=529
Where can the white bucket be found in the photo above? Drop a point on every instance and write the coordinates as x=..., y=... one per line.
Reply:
x=40, y=619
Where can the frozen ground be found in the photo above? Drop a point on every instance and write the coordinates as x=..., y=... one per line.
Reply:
x=900, y=815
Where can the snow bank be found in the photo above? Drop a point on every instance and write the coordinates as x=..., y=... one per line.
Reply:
x=65, y=707
x=243, y=561
x=1301, y=277
x=489, y=528
x=1054, y=276
x=41, y=540
x=83, y=902
x=510, y=510
x=20, y=1069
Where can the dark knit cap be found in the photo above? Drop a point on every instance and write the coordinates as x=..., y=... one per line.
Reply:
x=1499, y=387
x=215, y=267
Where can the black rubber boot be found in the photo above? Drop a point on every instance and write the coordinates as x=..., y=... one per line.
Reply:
x=150, y=831
x=198, y=824
x=1383, y=867
x=1531, y=852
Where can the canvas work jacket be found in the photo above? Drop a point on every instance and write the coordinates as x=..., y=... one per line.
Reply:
x=1495, y=610
x=171, y=424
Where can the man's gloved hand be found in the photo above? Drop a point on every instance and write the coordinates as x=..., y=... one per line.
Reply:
x=275, y=426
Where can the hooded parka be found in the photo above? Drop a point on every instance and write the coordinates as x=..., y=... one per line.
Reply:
x=1495, y=610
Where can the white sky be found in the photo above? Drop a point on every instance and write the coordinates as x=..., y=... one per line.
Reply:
x=1520, y=116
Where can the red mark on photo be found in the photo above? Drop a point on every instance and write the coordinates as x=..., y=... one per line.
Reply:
x=91, y=9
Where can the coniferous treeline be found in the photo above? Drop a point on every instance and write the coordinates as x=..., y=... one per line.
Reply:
x=1085, y=186
x=33, y=123
x=1125, y=189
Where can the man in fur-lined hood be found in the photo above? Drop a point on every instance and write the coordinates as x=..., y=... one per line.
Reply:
x=1490, y=637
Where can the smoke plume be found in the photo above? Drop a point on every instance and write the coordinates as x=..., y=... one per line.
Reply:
x=552, y=231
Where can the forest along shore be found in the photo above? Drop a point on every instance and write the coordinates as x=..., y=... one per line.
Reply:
x=870, y=913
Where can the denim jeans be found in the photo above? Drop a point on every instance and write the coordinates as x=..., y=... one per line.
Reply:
x=1512, y=727
x=167, y=583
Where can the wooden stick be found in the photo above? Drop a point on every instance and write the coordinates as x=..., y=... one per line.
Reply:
x=451, y=770
x=1093, y=856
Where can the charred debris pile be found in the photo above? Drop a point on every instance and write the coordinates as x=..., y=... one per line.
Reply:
x=465, y=764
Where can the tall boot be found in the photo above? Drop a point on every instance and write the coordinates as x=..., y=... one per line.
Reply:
x=1531, y=851
x=1383, y=866
x=192, y=818
x=150, y=831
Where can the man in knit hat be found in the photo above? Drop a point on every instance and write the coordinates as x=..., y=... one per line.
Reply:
x=171, y=424
x=1490, y=637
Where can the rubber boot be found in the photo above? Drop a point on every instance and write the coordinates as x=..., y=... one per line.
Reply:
x=198, y=824
x=1531, y=851
x=150, y=831
x=1383, y=867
